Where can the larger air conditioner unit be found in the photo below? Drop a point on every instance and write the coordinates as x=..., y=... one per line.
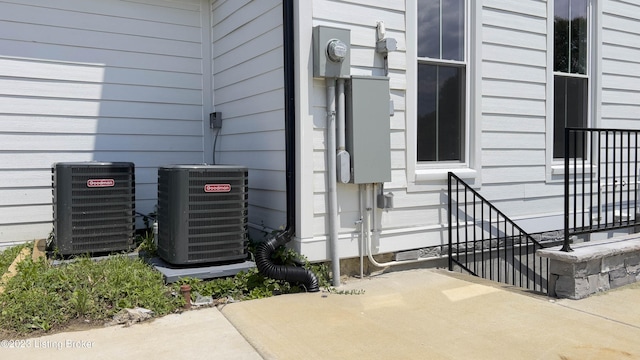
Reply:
x=202, y=214
x=93, y=207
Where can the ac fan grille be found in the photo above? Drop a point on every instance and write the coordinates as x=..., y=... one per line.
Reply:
x=212, y=226
x=93, y=219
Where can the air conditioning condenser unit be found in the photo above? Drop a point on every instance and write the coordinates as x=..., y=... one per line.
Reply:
x=93, y=207
x=202, y=214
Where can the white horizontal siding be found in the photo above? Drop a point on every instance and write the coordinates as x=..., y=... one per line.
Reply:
x=514, y=102
x=513, y=121
x=82, y=81
x=149, y=11
x=513, y=108
x=248, y=89
x=94, y=73
x=620, y=64
x=37, y=124
x=514, y=98
x=360, y=17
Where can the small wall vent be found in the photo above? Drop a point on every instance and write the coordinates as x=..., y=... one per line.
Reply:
x=93, y=207
x=202, y=213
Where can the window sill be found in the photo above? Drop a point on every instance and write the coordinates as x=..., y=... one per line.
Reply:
x=558, y=169
x=423, y=175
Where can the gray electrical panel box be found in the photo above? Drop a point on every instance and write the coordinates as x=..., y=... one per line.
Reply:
x=368, y=129
x=331, y=52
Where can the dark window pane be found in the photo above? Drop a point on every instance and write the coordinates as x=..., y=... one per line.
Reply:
x=429, y=28
x=559, y=115
x=570, y=110
x=578, y=46
x=441, y=29
x=576, y=102
x=440, y=113
x=561, y=36
x=427, y=112
x=453, y=30
x=570, y=36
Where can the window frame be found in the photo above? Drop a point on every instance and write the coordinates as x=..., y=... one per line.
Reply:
x=555, y=166
x=422, y=173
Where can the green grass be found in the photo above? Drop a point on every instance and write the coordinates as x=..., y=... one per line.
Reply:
x=253, y=285
x=7, y=257
x=41, y=297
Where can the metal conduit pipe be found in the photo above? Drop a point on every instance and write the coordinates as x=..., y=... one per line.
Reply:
x=264, y=251
x=341, y=114
x=332, y=180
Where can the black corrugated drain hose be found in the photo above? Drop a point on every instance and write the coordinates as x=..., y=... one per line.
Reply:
x=265, y=265
x=289, y=273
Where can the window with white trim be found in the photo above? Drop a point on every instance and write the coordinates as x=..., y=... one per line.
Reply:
x=571, y=67
x=441, y=128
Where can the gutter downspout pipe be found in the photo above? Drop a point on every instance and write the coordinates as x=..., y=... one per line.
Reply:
x=265, y=249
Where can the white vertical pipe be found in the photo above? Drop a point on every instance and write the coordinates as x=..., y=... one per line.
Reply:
x=374, y=214
x=332, y=180
x=367, y=222
x=374, y=231
x=362, y=232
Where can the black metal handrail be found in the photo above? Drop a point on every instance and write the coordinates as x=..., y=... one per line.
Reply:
x=600, y=181
x=486, y=243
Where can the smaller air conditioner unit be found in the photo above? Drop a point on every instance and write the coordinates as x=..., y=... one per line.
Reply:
x=202, y=214
x=93, y=207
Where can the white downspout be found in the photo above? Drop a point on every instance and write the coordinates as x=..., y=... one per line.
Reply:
x=332, y=180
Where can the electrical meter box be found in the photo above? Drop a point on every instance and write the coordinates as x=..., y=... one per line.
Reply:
x=331, y=52
x=368, y=129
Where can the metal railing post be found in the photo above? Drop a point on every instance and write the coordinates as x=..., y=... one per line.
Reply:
x=501, y=231
x=566, y=247
x=611, y=156
x=450, y=224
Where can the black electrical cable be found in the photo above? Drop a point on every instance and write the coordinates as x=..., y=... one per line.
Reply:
x=215, y=140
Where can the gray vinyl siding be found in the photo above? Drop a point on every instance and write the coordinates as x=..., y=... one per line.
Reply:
x=514, y=106
x=248, y=83
x=135, y=81
x=94, y=80
x=360, y=18
x=621, y=64
x=512, y=121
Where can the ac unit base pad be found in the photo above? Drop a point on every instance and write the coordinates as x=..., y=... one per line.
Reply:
x=173, y=273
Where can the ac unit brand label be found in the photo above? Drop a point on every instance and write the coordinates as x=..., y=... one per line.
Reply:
x=217, y=188
x=97, y=183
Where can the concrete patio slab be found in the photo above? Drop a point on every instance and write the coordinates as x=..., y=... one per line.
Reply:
x=426, y=314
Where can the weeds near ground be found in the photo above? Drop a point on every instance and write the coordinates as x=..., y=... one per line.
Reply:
x=147, y=244
x=251, y=284
x=7, y=257
x=43, y=297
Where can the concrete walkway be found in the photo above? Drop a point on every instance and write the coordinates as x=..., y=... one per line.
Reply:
x=427, y=314
x=199, y=334
x=416, y=314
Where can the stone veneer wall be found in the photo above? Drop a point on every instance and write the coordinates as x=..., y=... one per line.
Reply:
x=593, y=267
